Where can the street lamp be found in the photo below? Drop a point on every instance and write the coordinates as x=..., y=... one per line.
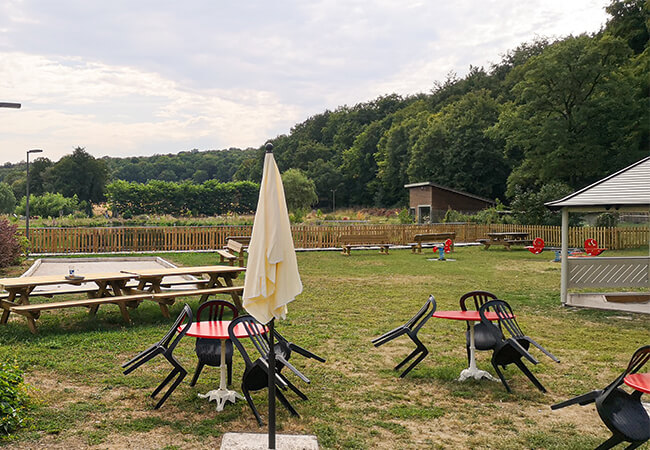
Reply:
x=9, y=105
x=36, y=150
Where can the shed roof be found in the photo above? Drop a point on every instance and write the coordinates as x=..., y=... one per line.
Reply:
x=445, y=188
x=629, y=188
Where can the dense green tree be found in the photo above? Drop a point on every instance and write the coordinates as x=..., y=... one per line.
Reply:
x=299, y=191
x=37, y=169
x=629, y=21
x=78, y=174
x=49, y=205
x=7, y=199
x=575, y=114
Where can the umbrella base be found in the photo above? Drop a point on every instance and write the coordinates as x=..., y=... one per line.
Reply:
x=222, y=396
x=476, y=374
x=254, y=441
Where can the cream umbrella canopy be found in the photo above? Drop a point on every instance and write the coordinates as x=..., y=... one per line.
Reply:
x=272, y=278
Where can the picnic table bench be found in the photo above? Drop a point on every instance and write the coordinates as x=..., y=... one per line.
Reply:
x=233, y=252
x=430, y=238
x=349, y=241
x=507, y=239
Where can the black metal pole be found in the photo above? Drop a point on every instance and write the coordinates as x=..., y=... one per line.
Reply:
x=27, y=202
x=271, y=385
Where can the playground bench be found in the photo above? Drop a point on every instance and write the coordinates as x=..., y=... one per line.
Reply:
x=430, y=238
x=349, y=241
x=234, y=252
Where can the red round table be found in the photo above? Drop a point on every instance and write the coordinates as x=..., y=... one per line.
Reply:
x=469, y=316
x=639, y=381
x=218, y=329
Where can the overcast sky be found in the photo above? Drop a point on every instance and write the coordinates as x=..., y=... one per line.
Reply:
x=143, y=77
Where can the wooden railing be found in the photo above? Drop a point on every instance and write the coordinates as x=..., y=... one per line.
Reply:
x=150, y=239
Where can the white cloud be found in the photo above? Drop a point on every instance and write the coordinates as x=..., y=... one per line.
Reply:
x=125, y=77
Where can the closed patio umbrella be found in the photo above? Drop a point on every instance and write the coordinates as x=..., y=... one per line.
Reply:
x=272, y=278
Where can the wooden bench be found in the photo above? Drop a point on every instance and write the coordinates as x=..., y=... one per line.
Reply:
x=33, y=311
x=234, y=252
x=169, y=296
x=430, y=238
x=349, y=241
x=244, y=240
x=506, y=242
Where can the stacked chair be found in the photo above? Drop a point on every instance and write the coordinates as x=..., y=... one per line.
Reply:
x=483, y=339
x=208, y=351
x=621, y=412
x=411, y=329
x=510, y=350
x=165, y=347
x=255, y=376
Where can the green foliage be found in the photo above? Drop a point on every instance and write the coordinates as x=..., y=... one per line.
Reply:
x=299, y=191
x=49, y=205
x=405, y=217
x=629, y=21
x=7, y=198
x=528, y=205
x=159, y=197
x=487, y=216
x=608, y=219
x=78, y=174
x=13, y=398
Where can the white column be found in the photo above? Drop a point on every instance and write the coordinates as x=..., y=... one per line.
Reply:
x=565, y=255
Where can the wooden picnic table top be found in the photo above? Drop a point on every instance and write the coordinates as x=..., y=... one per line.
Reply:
x=42, y=280
x=507, y=234
x=192, y=270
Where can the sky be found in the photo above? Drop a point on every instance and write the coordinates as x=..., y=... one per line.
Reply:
x=134, y=78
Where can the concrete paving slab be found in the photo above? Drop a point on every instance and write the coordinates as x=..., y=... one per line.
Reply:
x=258, y=441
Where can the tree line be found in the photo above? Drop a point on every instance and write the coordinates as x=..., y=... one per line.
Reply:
x=551, y=117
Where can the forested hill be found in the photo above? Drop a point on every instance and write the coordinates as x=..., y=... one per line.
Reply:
x=550, y=117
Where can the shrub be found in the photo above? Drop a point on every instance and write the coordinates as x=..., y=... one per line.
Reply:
x=10, y=244
x=49, y=205
x=13, y=398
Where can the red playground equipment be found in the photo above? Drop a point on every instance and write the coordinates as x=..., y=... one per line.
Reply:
x=591, y=247
x=448, y=244
x=537, y=247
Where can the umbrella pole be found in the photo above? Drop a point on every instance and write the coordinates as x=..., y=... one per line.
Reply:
x=271, y=385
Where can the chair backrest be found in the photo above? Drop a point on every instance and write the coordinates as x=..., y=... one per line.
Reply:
x=255, y=331
x=421, y=317
x=479, y=298
x=166, y=341
x=214, y=310
x=505, y=316
x=640, y=357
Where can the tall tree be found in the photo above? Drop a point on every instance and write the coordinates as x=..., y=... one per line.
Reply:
x=78, y=174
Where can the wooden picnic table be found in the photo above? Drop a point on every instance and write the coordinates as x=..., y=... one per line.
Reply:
x=110, y=288
x=430, y=238
x=220, y=281
x=506, y=239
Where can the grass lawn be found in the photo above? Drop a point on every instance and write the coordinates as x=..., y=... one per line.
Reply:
x=356, y=400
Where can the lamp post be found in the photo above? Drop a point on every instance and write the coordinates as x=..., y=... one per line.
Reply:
x=9, y=105
x=35, y=150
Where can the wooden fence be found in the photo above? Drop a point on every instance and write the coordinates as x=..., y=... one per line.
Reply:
x=150, y=239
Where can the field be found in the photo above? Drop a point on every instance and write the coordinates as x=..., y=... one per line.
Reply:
x=81, y=399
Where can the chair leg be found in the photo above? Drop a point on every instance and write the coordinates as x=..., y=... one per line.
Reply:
x=171, y=375
x=294, y=388
x=171, y=389
x=610, y=443
x=635, y=445
x=286, y=403
x=248, y=398
x=582, y=400
x=530, y=375
x=425, y=352
x=197, y=372
x=502, y=378
x=229, y=366
x=408, y=358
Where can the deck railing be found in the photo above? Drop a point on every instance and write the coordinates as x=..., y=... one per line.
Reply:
x=151, y=239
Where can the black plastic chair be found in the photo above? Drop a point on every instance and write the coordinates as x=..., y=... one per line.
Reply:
x=166, y=348
x=411, y=329
x=510, y=350
x=483, y=339
x=255, y=375
x=284, y=348
x=621, y=412
x=209, y=350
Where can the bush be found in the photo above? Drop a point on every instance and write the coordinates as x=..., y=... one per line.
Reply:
x=13, y=398
x=49, y=205
x=10, y=244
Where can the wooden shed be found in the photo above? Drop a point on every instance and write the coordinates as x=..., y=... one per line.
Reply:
x=429, y=202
